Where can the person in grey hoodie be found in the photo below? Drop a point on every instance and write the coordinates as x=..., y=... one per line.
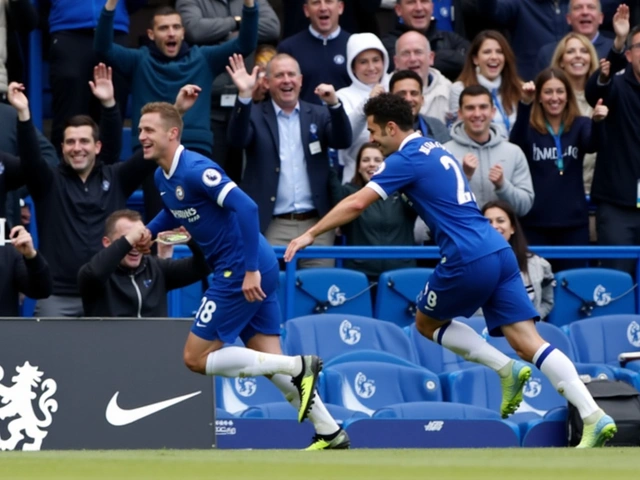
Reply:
x=495, y=168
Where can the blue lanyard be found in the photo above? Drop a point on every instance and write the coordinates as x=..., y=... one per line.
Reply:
x=423, y=126
x=505, y=117
x=556, y=139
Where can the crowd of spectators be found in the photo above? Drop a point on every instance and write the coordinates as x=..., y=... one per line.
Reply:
x=537, y=100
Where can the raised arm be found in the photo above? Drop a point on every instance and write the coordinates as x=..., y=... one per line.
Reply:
x=520, y=131
x=240, y=131
x=338, y=127
x=37, y=173
x=94, y=274
x=110, y=120
x=123, y=59
x=32, y=276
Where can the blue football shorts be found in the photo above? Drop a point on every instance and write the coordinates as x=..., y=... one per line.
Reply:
x=225, y=314
x=492, y=282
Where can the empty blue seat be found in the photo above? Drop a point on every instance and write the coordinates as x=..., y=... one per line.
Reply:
x=184, y=302
x=331, y=290
x=603, y=339
x=285, y=411
x=369, y=386
x=235, y=395
x=126, y=150
x=591, y=292
x=397, y=292
x=332, y=334
x=436, y=411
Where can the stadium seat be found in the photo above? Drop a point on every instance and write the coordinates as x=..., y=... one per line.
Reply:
x=331, y=290
x=282, y=292
x=436, y=411
x=184, y=302
x=369, y=386
x=331, y=334
x=603, y=339
x=126, y=151
x=397, y=292
x=591, y=292
x=235, y=395
x=285, y=411
x=368, y=356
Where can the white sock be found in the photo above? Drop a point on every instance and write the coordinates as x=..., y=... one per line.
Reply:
x=322, y=420
x=463, y=340
x=244, y=362
x=562, y=374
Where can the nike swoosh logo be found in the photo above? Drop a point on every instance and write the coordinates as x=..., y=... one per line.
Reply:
x=119, y=417
x=201, y=325
x=162, y=193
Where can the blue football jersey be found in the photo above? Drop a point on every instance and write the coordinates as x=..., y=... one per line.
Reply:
x=433, y=181
x=194, y=193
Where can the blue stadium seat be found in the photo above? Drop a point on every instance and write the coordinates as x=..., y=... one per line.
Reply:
x=220, y=414
x=184, y=302
x=331, y=334
x=369, y=386
x=368, y=356
x=136, y=202
x=331, y=290
x=436, y=411
x=282, y=292
x=397, y=292
x=602, y=339
x=126, y=150
x=284, y=411
x=591, y=292
x=235, y=395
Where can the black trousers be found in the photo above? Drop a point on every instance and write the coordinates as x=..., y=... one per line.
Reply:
x=618, y=226
x=71, y=62
x=562, y=237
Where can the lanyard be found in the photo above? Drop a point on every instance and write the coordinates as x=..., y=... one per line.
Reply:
x=505, y=117
x=423, y=126
x=556, y=139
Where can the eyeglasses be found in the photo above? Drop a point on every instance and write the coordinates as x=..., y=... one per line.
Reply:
x=634, y=46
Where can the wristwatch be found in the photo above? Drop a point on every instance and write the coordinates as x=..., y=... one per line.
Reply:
x=238, y=19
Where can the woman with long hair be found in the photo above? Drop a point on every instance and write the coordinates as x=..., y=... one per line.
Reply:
x=555, y=138
x=490, y=62
x=576, y=55
x=388, y=222
x=535, y=271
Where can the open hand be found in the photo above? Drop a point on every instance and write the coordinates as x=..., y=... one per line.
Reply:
x=102, y=85
x=296, y=244
x=241, y=78
x=621, y=25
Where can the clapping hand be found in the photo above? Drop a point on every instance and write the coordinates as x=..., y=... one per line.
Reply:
x=102, y=85
x=241, y=78
x=469, y=164
x=600, y=112
x=187, y=97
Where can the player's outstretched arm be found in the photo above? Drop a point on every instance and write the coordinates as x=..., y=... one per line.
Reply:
x=347, y=210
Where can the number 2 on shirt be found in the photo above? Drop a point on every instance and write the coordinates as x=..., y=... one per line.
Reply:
x=461, y=193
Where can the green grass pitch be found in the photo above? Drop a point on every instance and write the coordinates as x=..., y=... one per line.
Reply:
x=494, y=464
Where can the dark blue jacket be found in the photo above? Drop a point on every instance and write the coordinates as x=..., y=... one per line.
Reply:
x=615, y=179
x=532, y=24
x=320, y=61
x=77, y=14
x=602, y=45
x=559, y=199
x=255, y=128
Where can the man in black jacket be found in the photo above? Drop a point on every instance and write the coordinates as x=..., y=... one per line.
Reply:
x=23, y=269
x=449, y=47
x=73, y=200
x=121, y=282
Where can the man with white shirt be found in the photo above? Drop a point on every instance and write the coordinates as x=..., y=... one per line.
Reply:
x=321, y=51
x=413, y=52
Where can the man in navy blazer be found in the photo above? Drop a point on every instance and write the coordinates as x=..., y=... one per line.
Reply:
x=287, y=141
x=584, y=17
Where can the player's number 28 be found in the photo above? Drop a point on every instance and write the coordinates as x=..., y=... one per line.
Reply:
x=205, y=312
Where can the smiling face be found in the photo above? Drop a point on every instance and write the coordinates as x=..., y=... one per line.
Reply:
x=476, y=113
x=633, y=54
x=576, y=60
x=416, y=14
x=154, y=136
x=123, y=226
x=324, y=15
x=409, y=89
x=413, y=53
x=284, y=81
x=370, y=159
x=585, y=17
x=500, y=221
x=553, y=97
x=79, y=148
x=167, y=34
x=368, y=66
x=490, y=59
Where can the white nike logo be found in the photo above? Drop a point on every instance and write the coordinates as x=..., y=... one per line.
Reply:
x=119, y=417
x=162, y=193
x=198, y=324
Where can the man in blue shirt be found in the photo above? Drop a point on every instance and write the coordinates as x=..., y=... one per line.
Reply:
x=242, y=301
x=471, y=250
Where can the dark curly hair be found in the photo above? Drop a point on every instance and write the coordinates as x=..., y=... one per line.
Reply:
x=388, y=107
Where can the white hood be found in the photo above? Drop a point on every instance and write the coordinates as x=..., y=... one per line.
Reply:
x=358, y=43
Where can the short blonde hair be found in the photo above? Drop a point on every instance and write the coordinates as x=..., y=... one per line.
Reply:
x=560, y=50
x=168, y=113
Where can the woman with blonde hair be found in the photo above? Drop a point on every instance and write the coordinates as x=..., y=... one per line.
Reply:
x=576, y=55
x=490, y=62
